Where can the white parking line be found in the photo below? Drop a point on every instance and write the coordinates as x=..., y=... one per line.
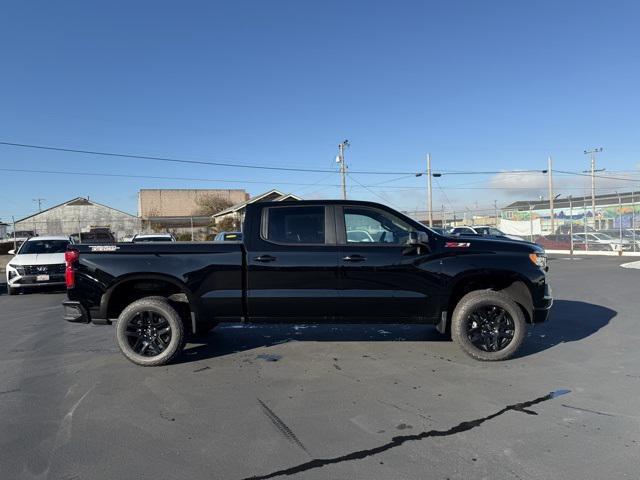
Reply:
x=631, y=265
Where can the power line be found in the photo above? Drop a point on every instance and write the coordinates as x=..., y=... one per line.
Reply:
x=181, y=160
x=598, y=176
x=257, y=182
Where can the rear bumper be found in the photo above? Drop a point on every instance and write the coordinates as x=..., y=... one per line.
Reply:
x=75, y=312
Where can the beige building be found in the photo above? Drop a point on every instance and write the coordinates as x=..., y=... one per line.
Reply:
x=154, y=203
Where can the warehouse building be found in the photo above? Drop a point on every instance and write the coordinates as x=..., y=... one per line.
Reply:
x=612, y=211
x=77, y=216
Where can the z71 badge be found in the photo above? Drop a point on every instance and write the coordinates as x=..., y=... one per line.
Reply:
x=457, y=245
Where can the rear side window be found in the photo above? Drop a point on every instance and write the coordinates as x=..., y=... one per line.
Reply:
x=295, y=225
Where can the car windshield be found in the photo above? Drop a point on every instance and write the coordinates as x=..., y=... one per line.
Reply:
x=602, y=236
x=44, y=246
x=152, y=239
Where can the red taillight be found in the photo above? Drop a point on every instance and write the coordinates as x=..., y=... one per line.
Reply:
x=70, y=257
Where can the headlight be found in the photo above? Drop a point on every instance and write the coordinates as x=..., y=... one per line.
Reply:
x=18, y=268
x=539, y=259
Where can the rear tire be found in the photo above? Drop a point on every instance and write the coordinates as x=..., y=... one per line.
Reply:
x=150, y=332
x=488, y=325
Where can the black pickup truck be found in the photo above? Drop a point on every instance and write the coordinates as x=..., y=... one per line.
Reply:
x=312, y=262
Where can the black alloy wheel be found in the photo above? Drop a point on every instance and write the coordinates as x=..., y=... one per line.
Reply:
x=490, y=328
x=148, y=333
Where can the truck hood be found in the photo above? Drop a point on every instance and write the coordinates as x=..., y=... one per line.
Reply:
x=38, y=259
x=476, y=244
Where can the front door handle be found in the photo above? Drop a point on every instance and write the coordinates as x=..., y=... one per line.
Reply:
x=354, y=258
x=265, y=258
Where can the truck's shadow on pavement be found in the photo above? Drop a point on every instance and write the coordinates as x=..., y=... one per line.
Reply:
x=570, y=321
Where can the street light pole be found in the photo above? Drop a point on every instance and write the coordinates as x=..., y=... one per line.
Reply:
x=343, y=167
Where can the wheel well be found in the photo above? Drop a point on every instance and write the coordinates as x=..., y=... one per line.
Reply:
x=516, y=289
x=131, y=290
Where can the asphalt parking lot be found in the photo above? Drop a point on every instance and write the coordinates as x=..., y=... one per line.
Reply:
x=330, y=402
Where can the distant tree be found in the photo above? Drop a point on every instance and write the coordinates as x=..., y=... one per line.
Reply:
x=211, y=204
x=226, y=225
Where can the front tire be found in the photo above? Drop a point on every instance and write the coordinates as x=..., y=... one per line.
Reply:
x=488, y=325
x=150, y=332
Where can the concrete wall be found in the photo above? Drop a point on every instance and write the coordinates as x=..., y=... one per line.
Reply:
x=182, y=202
x=76, y=216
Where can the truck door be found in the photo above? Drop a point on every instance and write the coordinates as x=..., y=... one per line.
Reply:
x=381, y=277
x=292, y=264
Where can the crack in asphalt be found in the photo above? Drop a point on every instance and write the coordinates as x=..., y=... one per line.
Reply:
x=281, y=426
x=401, y=439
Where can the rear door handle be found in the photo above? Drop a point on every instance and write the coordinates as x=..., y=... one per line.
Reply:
x=265, y=258
x=354, y=258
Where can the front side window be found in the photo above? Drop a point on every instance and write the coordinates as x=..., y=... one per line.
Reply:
x=295, y=225
x=44, y=246
x=364, y=225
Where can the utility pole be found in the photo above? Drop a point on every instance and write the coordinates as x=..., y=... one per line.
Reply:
x=429, y=191
x=343, y=167
x=550, y=178
x=39, y=200
x=593, y=180
x=571, y=225
x=495, y=211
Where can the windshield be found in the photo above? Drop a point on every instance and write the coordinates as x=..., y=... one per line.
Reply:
x=152, y=239
x=44, y=246
x=602, y=236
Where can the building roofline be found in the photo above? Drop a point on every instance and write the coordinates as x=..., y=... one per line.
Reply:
x=241, y=205
x=69, y=201
x=602, y=199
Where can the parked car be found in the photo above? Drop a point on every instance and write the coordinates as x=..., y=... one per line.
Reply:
x=626, y=233
x=295, y=265
x=228, y=237
x=153, y=237
x=602, y=241
x=96, y=235
x=38, y=262
x=565, y=229
x=483, y=230
x=560, y=242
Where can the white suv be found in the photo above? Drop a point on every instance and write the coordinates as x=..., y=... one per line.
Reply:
x=39, y=261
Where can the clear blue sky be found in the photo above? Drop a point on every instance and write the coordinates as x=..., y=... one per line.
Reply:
x=481, y=85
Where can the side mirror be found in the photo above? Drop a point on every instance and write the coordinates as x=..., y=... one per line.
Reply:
x=11, y=252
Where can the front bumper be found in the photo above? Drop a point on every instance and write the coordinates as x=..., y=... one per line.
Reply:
x=543, y=306
x=32, y=281
x=75, y=312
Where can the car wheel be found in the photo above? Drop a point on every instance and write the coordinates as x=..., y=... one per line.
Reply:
x=150, y=332
x=488, y=325
x=12, y=290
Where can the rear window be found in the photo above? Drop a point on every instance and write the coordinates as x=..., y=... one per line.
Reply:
x=295, y=225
